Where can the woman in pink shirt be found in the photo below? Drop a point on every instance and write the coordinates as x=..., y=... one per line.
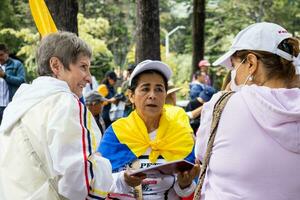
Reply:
x=256, y=151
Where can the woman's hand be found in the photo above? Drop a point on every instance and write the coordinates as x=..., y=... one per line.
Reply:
x=133, y=181
x=186, y=178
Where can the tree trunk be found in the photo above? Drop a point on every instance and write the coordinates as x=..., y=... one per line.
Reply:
x=198, y=32
x=147, y=36
x=64, y=14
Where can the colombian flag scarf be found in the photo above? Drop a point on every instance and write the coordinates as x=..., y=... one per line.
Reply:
x=128, y=138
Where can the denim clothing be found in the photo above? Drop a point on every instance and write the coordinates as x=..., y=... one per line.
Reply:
x=15, y=75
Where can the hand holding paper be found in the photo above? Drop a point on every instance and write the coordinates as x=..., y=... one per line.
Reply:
x=186, y=178
x=133, y=180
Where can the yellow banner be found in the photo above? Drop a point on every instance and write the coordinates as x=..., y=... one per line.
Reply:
x=42, y=17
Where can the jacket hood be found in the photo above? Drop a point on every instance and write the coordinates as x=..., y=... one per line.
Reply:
x=29, y=95
x=277, y=111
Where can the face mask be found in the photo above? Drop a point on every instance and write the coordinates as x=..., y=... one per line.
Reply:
x=233, y=85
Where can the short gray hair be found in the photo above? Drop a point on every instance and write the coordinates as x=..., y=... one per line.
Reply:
x=66, y=46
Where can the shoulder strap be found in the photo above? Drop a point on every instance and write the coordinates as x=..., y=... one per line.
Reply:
x=218, y=109
x=53, y=181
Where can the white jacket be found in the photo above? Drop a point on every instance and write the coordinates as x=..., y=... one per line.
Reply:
x=48, y=146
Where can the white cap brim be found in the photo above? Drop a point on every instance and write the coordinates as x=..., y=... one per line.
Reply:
x=224, y=60
x=151, y=65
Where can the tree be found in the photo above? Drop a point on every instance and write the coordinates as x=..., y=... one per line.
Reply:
x=64, y=13
x=7, y=15
x=121, y=17
x=198, y=32
x=224, y=20
x=173, y=14
x=147, y=38
x=94, y=31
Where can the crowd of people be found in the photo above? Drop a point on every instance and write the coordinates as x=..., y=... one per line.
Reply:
x=64, y=136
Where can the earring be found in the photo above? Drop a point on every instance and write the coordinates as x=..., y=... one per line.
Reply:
x=251, y=78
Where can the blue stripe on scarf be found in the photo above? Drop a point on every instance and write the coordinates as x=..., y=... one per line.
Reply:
x=191, y=156
x=117, y=153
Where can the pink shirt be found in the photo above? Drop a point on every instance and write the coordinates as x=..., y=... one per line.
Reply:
x=256, y=153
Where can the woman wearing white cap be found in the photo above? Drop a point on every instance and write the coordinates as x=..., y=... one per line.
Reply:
x=150, y=135
x=255, y=154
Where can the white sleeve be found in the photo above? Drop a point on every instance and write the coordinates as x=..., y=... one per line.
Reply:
x=119, y=185
x=83, y=173
x=190, y=114
x=203, y=132
x=184, y=192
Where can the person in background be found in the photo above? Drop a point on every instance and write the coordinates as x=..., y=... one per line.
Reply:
x=126, y=81
x=48, y=147
x=194, y=107
x=256, y=152
x=93, y=86
x=117, y=109
x=204, y=65
x=107, y=90
x=94, y=101
x=150, y=135
x=12, y=75
x=198, y=84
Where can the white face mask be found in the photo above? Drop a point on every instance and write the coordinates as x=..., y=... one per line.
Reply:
x=233, y=85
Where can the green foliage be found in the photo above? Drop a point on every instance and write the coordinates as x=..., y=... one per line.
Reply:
x=94, y=31
x=286, y=13
x=109, y=27
x=23, y=44
x=15, y=14
x=7, y=14
x=181, y=67
x=173, y=14
x=130, y=58
x=226, y=18
x=121, y=17
x=23, y=14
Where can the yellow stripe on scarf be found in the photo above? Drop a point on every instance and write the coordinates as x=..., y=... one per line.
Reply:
x=174, y=139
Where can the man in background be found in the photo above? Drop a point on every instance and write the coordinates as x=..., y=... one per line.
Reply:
x=12, y=75
x=94, y=102
x=197, y=86
x=194, y=107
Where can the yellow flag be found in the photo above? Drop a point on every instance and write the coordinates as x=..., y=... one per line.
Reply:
x=42, y=17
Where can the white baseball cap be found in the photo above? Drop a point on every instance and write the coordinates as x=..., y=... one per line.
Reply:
x=151, y=65
x=262, y=36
